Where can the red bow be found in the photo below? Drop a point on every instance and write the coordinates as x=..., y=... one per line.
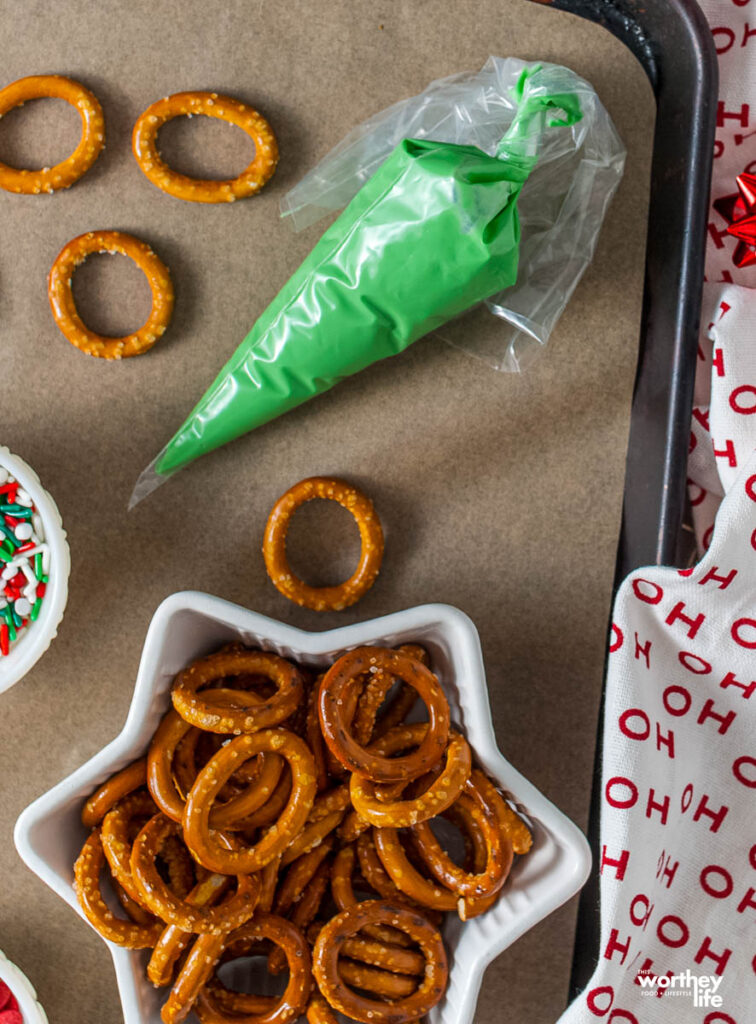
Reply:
x=740, y=210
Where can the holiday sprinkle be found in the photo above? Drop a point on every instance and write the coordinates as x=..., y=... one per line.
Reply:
x=24, y=561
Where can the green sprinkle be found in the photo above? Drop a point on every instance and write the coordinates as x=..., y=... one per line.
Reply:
x=9, y=622
x=17, y=620
x=45, y=578
x=5, y=555
x=14, y=543
x=17, y=511
x=35, y=609
x=38, y=565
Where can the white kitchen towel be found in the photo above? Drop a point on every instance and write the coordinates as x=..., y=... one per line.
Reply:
x=678, y=825
x=678, y=815
x=723, y=429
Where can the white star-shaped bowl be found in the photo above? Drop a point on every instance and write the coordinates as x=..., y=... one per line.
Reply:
x=49, y=833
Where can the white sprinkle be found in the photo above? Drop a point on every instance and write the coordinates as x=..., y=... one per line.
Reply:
x=39, y=527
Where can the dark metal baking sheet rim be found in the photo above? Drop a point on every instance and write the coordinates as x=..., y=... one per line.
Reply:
x=673, y=42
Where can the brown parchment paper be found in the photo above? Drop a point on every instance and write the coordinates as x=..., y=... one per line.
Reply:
x=499, y=494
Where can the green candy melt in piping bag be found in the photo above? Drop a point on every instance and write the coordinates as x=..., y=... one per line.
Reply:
x=432, y=233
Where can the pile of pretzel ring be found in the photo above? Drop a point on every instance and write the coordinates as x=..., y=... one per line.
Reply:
x=145, y=148
x=269, y=798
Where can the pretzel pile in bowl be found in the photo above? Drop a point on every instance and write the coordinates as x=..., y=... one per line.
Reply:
x=270, y=801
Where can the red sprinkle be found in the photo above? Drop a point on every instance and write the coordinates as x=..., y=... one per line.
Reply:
x=4, y=639
x=12, y=1016
x=6, y=488
x=11, y=520
x=26, y=547
x=41, y=588
x=5, y=992
x=19, y=580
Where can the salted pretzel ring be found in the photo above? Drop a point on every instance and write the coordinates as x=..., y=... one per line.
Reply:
x=114, y=789
x=344, y=896
x=64, y=174
x=498, y=846
x=217, y=1005
x=507, y=822
x=200, y=190
x=376, y=688
x=216, y=717
x=307, y=908
x=441, y=793
x=195, y=972
x=322, y=599
x=346, y=924
x=467, y=817
x=64, y=310
x=115, y=838
x=171, y=731
x=375, y=953
x=173, y=940
x=87, y=886
x=157, y=896
x=365, y=761
x=206, y=845
x=406, y=877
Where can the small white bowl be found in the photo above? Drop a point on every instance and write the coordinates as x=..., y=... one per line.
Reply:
x=22, y=989
x=40, y=634
x=49, y=833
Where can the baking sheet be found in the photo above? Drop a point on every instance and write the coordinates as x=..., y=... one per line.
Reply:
x=499, y=494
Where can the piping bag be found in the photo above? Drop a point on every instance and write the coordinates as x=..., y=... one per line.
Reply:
x=432, y=232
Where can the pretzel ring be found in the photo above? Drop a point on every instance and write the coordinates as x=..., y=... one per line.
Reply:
x=376, y=875
x=441, y=794
x=217, y=1005
x=115, y=838
x=508, y=822
x=195, y=972
x=344, y=896
x=466, y=816
x=64, y=174
x=364, y=761
x=114, y=789
x=87, y=887
x=171, y=731
x=318, y=1010
x=173, y=941
x=405, y=877
x=200, y=190
x=64, y=309
x=311, y=836
x=373, y=979
x=205, y=846
x=381, y=954
x=498, y=859
x=322, y=599
x=377, y=687
x=156, y=895
x=272, y=809
x=268, y=883
x=215, y=717
x=299, y=876
x=325, y=964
